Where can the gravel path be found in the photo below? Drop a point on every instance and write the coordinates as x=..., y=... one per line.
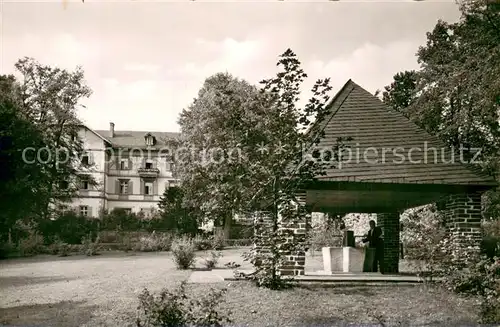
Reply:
x=102, y=291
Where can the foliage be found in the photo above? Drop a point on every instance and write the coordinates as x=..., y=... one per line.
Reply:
x=213, y=259
x=68, y=227
x=32, y=245
x=218, y=128
x=202, y=243
x=183, y=251
x=490, y=244
x=217, y=240
x=323, y=235
x=155, y=242
x=90, y=247
x=20, y=182
x=122, y=220
x=175, y=309
x=174, y=214
x=401, y=93
x=49, y=98
x=457, y=91
x=292, y=160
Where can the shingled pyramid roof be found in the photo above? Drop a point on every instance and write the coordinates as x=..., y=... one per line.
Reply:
x=356, y=113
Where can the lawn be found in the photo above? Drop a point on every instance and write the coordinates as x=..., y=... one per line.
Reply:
x=102, y=291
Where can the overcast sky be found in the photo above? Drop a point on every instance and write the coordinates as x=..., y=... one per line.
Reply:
x=145, y=61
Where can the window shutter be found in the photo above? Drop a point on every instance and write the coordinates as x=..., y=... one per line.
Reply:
x=89, y=211
x=129, y=163
x=130, y=187
x=155, y=187
x=117, y=189
x=142, y=190
x=143, y=164
x=91, y=158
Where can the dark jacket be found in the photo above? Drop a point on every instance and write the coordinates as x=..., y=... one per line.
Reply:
x=374, y=238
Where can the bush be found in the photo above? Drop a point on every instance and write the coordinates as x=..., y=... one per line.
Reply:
x=6, y=250
x=183, y=250
x=217, y=241
x=490, y=245
x=155, y=242
x=89, y=247
x=69, y=228
x=202, y=243
x=119, y=219
x=32, y=245
x=176, y=308
x=482, y=278
x=213, y=259
x=60, y=248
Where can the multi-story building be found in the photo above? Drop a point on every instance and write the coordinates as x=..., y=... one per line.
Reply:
x=132, y=170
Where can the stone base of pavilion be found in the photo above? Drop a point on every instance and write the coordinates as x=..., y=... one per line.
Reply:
x=322, y=277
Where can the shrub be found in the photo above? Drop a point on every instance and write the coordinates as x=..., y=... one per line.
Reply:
x=482, y=278
x=176, y=308
x=6, y=250
x=89, y=247
x=68, y=227
x=60, y=248
x=218, y=242
x=202, y=243
x=120, y=219
x=213, y=259
x=183, y=250
x=155, y=242
x=32, y=245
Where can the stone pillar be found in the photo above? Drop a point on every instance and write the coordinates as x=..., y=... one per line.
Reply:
x=295, y=232
x=463, y=219
x=263, y=225
x=389, y=222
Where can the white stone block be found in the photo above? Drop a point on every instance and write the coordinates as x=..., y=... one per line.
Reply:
x=342, y=259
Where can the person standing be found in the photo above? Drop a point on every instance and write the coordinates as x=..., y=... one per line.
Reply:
x=374, y=255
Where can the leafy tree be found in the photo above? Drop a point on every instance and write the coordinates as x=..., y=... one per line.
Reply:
x=457, y=91
x=49, y=97
x=291, y=134
x=20, y=182
x=402, y=92
x=174, y=214
x=217, y=129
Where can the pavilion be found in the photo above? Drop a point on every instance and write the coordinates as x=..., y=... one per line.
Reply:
x=391, y=165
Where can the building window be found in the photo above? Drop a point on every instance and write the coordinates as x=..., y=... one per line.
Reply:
x=149, y=164
x=148, y=188
x=123, y=164
x=85, y=159
x=123, y=187
x=85, y=185
x=150, y=139
x=84, y=211
x=63, y=185
x=128, y=211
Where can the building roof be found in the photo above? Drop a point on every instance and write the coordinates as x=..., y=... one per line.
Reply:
x=356, y=113
x=130, y=139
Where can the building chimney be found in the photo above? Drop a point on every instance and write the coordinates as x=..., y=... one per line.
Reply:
x=111, y=129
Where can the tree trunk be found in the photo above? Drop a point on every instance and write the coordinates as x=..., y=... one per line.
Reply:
x=227, y=226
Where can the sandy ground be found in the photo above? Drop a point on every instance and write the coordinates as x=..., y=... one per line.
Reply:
x=102, y=291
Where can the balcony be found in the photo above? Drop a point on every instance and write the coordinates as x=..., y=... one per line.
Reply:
x=148, y=172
